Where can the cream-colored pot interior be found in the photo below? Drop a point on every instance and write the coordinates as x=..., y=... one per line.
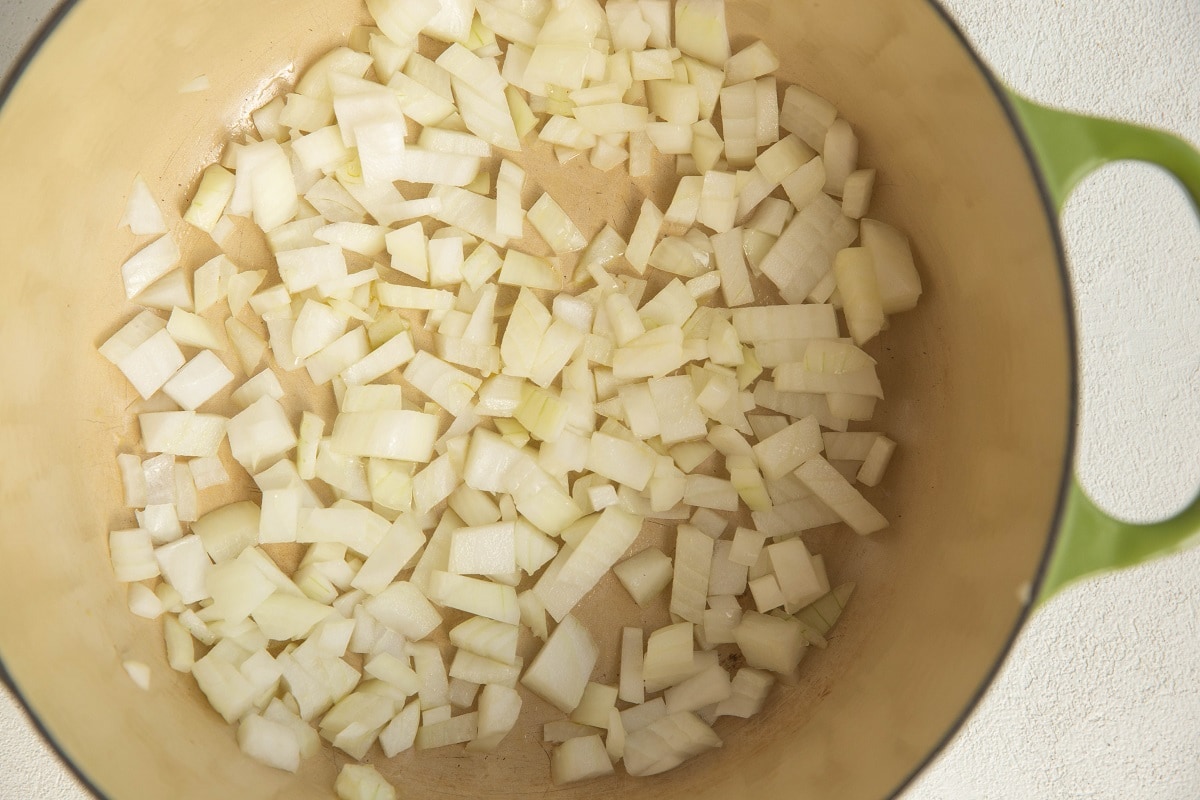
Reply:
x=979, y=381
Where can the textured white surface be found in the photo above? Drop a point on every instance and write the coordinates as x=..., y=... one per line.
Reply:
x=1101, y=697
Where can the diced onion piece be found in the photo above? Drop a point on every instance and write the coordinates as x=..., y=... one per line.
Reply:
x=553, y=224
x=198, y=381
x=149, y=364
x=685, y=206
x=448, y=732
x=858, y=285
x=739, y=109
x=522, y=269
x=645, y=236
x=305, y=268
x=841, y=156
x=181, y=652
x=133, y=555
x=709, y=492
x=804, y=254
x=674, y=102
x=856, y=196
x=653, y=354
x=559, y=673
x=804, y=184
x=644, y=576
x=876, y=461
x=707, y=146
x=897, y=277
x=782, y=159
x=837, y=493
x=468, y=211
x=751, y=687
x=786, y=322
x=807, y=115
x=722, y=617
x=668, y=658
x=404, y=609
x=593, y=710
x=185, y=565
x=796, y=573
x=142, y=214
x=212, y=197
x=393, y=554
x=182, y=433
x=766, y=112
x=446, y=385
x=414, y=298
x=610, y=536
x=632, y=688
x=700, y=30
x=782, y=452
x=270, y=743
x=667, y=743
x=499, y=708
x=510, y=216
x=138, y=672
x=362, y=781
x=680, y=417
x=707, y=687
x=475, y=596
x=264, y=384
x=171, y=291
x=671, y=138
x=747, y=544
x=770, y=643
x=580, y=759
x=693, y=563
x=484, y=550
x=190, y=330
x=401, y=732
x=398, y=435
x=261, y=434
x=751, y=62
x=479, y=669
x=798, y=377
x=718, y=202
x=620, y=460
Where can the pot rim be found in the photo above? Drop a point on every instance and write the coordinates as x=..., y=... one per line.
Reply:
x=33, y=47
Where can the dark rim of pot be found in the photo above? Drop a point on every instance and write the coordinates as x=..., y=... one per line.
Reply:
x=31, y=49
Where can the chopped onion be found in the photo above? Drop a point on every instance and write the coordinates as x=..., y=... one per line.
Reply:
x=655, y=382
x=142, y=214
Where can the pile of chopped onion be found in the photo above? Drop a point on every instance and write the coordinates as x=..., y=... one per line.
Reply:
x=507, y=421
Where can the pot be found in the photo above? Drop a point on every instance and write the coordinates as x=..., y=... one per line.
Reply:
x=988, y=520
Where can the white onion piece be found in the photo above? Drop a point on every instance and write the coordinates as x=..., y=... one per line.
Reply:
x=840, y=152
x=363, y=782
x=876, y=461
x=149, y=364
x=898, y=280
x=198, y=380
x=149, y=264
x=182, y=433
x=559, y=672
x=142, y=214
x=212, y=197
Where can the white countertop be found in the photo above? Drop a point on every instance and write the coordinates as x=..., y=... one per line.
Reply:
x=1101, y=697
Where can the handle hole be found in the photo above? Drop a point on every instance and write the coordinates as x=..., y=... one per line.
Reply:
x=1133, y=248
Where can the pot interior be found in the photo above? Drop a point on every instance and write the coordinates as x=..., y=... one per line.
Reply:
x=979, y=381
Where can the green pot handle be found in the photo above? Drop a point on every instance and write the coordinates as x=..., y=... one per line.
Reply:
x=1068, y=147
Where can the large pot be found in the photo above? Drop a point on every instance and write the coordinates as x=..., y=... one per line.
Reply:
x=987, y=517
